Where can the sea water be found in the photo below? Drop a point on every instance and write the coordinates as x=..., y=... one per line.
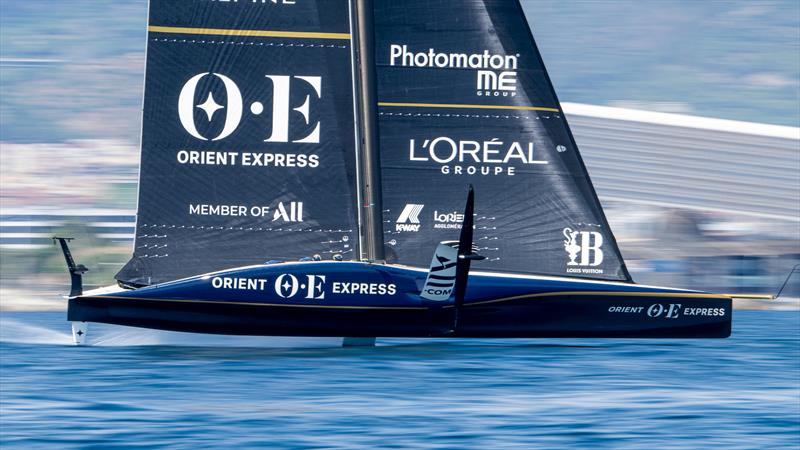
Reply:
x=142, y=389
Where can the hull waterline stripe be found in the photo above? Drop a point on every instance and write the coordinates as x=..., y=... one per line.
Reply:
x=751, y=296
x=467, y=106
x=604, y=294
x=248, y=33
x=219, y=302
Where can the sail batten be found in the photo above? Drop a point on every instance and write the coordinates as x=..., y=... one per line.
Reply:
x=468, y=106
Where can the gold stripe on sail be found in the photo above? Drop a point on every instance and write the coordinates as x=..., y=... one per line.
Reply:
x=247, y=33
x=468, y=106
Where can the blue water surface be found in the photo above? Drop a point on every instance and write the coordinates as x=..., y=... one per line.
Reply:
x=138, y=388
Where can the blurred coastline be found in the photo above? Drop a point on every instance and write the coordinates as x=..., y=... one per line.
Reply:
x=705, y=228
x=694, y=202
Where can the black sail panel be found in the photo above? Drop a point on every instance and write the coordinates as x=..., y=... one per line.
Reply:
x=248, y=140
x=464, y=98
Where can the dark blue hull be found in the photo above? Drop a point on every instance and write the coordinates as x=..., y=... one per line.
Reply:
x=384, y=301
x=552, y=317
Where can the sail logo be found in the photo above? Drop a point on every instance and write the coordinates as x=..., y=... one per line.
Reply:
x=449, y=221
x=496, y=84
x=467, y=157
x=584, y=249
x=234, y=109
x=441, y=278
x=287, y=212
x=409, y=218
x=293, y=212
x=496, y=74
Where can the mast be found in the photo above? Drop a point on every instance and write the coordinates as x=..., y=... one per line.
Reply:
x=371, y=205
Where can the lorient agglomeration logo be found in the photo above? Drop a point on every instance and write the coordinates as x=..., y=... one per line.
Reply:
x=496, y=75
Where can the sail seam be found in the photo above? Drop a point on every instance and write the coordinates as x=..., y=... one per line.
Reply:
x=471, y=116
x=467, y=106
x=258, y=44
x=248, y=33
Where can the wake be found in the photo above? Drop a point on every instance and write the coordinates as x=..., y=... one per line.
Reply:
x=29, y=330
x=18, y=331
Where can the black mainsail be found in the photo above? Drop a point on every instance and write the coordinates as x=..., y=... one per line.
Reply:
x=248, y=137
x=464, y=97
x=251, y=152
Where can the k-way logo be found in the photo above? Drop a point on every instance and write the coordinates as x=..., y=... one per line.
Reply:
x=409, y=218
x=496, y=74
x=584, y=249
x=281, y=108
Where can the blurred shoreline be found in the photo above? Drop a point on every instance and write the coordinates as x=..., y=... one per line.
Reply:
x=694, y=153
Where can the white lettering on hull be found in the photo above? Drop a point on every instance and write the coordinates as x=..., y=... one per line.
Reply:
x=363, y=288
x=244, y=284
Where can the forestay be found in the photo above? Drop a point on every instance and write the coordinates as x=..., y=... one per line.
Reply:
x=248, y=141
x=465, y=98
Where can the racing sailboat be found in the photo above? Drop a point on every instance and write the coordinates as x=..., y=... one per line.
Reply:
x=304, y=171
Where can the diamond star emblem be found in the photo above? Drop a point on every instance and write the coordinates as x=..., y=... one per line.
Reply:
x=210, y=106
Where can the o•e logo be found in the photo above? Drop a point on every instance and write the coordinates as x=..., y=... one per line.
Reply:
x=233, y=115
x=281, y=107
